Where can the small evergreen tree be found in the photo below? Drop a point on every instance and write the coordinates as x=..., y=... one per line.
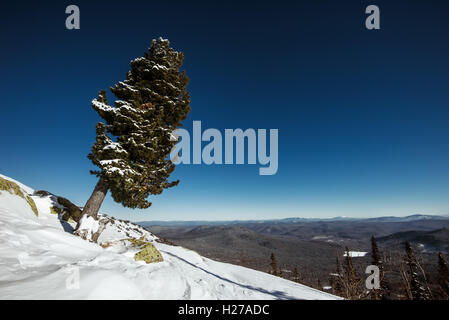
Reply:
x=351, y=280
x=339, y=266
x=345, y=282
x=415, y=288
x=382, y=292
x=274, y=265
x=337, y=279
x=375, y=255
x=443, y=276
x=296, y=275
x=132, y=145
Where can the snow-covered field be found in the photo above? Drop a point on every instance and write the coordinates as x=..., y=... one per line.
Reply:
x=355, y=254
x=41, y=259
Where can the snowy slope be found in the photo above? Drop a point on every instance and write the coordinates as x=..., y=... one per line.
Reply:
x=39, y=260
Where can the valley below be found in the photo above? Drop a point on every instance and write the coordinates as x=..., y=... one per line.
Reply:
x=313, y=246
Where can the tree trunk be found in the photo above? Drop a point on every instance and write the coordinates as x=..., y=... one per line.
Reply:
x=96, y=199
x=94, y=203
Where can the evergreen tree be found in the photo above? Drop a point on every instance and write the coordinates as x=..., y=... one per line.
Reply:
x=132, y=145
x=443, y=276
x=415, y=287
x=351, y=280
x=349, y=267
x=296, y=275
x=376, y=260
x=339, y=267
x=274, y=265
x=375, y=255
x=345, y=282
x=337, y=279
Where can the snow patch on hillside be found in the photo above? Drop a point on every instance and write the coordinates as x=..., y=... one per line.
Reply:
x=355, y=254
x=41, y=259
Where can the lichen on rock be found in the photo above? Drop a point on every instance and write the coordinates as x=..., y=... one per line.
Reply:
x=148, y=251
x=32, y=204
x=149, y=254
x=13, y=188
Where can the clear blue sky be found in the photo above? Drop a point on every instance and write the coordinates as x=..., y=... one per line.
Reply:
x=362, y=115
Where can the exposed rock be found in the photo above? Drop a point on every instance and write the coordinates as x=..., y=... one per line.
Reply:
x=91, y=229
x=71, y=210
x=42, y=193
x=148, y=252
x=13, y=188
x=63, y=207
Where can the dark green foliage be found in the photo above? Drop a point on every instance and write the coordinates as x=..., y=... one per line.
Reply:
x=151, y=104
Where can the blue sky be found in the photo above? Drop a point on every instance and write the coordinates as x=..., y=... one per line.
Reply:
x=362, y=115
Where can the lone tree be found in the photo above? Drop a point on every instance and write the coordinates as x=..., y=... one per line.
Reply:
x=274, y=265
x=132, y=145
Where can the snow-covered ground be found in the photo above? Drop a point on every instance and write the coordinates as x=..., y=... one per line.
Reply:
x=355, y=254
x=41, y=259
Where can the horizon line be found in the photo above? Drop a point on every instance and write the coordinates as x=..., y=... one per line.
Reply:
x=305, y=218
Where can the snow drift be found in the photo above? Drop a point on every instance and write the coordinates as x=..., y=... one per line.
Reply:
x=41, y=259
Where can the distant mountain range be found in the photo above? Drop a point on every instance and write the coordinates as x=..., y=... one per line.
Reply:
x=180, y=223
x=311, y=245
x=435, y=240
